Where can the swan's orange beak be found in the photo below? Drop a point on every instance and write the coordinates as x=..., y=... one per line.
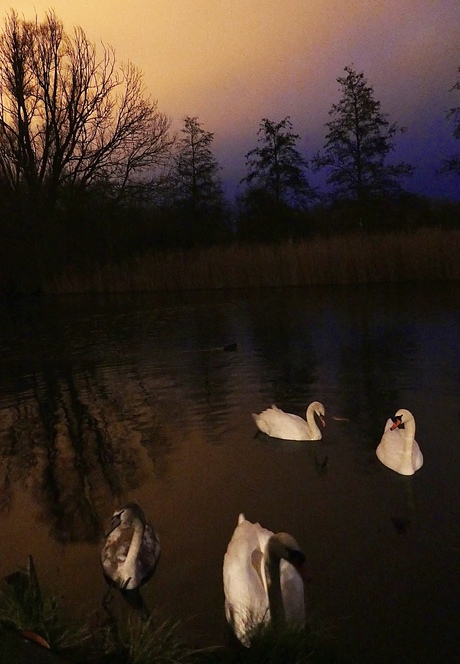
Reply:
x=322, y=420
x=395, y=424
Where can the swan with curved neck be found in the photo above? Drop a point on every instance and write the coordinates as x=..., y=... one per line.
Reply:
x=398, y=448
x=264, y=575
x=131, y=549
x=278, y=424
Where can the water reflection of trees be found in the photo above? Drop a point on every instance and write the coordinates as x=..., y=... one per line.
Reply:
x=371, y=364
x=284, y=334
x=75, y=449
x=103, y=402
x=376, y=354
x=81, y=433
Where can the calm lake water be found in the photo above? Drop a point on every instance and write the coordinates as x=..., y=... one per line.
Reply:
x=105, y=400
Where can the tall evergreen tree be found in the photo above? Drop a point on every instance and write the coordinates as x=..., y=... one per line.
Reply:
x=197, y=185
x=358, y=143
x=276, y=166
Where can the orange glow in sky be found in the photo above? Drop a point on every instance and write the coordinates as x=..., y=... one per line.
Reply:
x=233, y=62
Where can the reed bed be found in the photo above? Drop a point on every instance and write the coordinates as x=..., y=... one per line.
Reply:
x=425, y=254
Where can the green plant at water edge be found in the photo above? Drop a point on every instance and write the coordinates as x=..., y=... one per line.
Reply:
x=26, y=607
x=152, y=641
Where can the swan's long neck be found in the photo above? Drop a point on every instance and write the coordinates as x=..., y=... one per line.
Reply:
x=273, y=581
x=134, y=548
x=310, y=417
x=409, y=437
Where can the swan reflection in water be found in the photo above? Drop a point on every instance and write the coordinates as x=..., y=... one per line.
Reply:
x=130, y=554
x=278, y=424
x=264, y=575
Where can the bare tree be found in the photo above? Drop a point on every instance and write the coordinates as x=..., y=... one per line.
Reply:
x=72, y=118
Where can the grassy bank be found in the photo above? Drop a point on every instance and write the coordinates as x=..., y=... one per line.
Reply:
x=423, y=255
x=29, y=611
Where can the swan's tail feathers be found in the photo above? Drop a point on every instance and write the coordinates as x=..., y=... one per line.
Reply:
x=241, y=518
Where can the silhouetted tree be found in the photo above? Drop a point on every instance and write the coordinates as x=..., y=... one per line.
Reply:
x=71, y=118
x=276, y=166
x=358, y=142
x=452, y=165
x=197, y=187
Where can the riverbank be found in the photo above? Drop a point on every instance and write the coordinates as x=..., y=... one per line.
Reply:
x=33, y=625
x=423, y=255
x=155, y=641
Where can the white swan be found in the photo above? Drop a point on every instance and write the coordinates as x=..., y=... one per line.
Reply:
x=278, y=424
x=131, y=549
x=398, y=448
x=264, y=577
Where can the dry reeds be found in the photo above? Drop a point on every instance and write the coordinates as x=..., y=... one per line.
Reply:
x=423, y=255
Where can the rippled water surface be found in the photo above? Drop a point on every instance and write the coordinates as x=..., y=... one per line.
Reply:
x=105, y=400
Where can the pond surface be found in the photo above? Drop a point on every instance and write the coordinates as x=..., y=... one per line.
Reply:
x=105, y=400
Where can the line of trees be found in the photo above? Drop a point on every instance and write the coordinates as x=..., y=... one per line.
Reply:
x=89, y=167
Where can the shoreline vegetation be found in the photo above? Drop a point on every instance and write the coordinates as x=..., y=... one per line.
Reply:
x=100, y=195
x=425, y=254
x=30, y=612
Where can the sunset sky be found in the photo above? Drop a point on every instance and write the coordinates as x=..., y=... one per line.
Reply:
x=233, y=62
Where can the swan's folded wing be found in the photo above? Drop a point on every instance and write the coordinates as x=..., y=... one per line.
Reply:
x=246, y=601
x=149, y=554
x=295, y=418
x=116, y=547
x=238, y=568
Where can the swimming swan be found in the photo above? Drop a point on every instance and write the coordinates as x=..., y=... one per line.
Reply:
x=278, y=424
x=131, y=549
x=398, y=448
x=264, y=577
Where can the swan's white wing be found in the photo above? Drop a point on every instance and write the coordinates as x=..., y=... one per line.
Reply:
x=278, y=424
x=417, y=456
x=114, y=552
x=294, y=418
x=246, y=601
